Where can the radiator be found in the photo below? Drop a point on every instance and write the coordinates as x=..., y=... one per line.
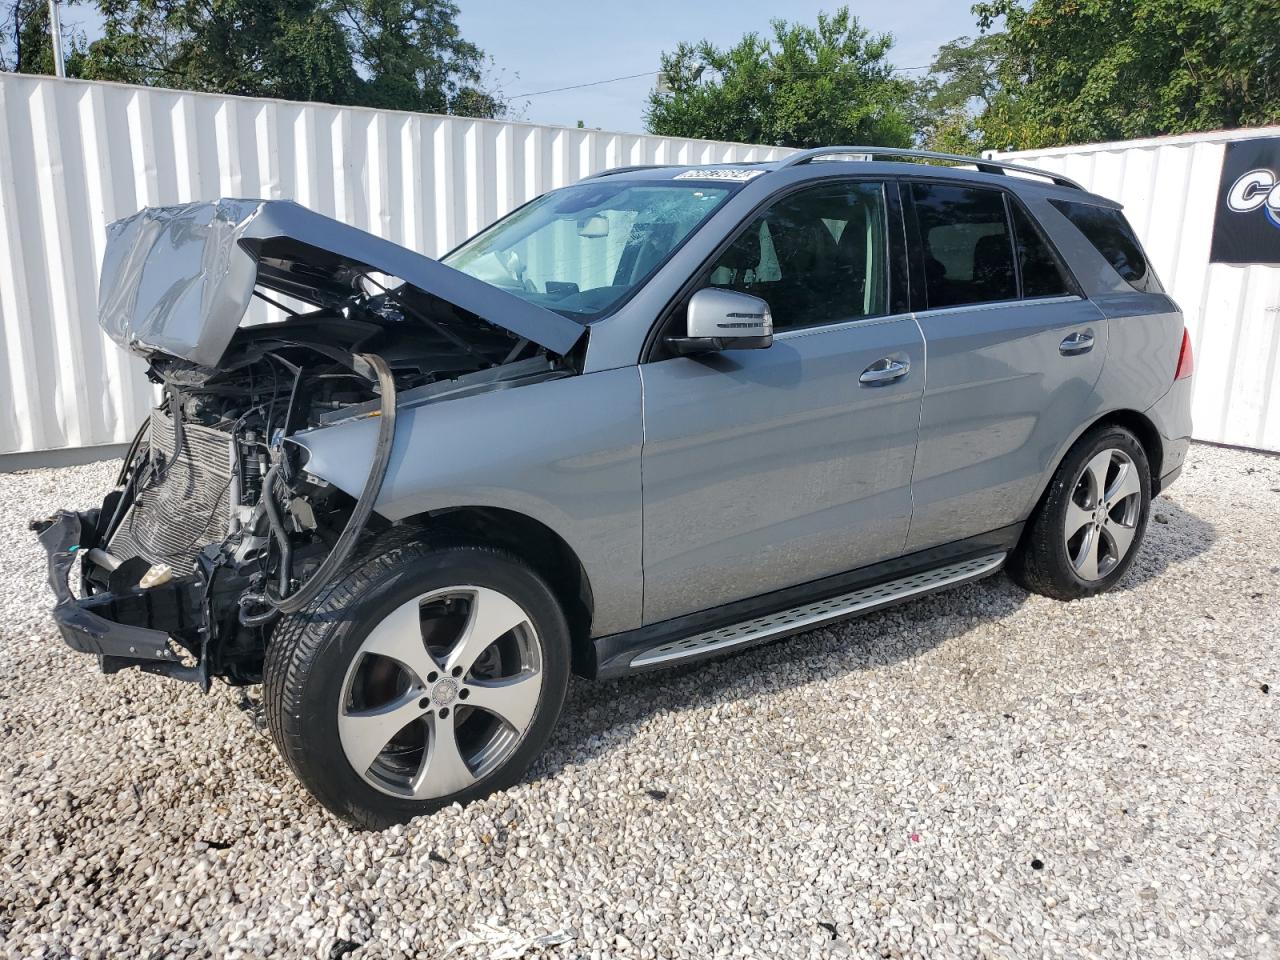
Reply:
x=183, y=503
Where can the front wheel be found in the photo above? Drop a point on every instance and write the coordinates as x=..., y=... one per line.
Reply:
x=426, y=676
x=1086, y=531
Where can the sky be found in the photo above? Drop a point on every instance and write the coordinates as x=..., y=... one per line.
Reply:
x=558, y=43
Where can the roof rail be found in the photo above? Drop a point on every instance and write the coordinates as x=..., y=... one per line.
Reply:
x=983, y=164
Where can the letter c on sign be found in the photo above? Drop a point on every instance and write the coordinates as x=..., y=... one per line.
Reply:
x=1250, y=191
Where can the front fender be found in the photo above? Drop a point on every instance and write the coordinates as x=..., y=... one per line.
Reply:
x=564, y=452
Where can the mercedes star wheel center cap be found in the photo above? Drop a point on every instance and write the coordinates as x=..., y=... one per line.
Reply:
x=444, y=692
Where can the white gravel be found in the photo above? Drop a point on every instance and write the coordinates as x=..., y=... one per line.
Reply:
x=981, y=773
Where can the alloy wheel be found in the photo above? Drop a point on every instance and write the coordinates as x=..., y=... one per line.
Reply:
x=1102, y=514
x=441, y=692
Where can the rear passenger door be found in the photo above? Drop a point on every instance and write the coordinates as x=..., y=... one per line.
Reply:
x=1013, y=354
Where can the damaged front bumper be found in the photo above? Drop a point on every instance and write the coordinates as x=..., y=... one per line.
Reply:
x=132, y=628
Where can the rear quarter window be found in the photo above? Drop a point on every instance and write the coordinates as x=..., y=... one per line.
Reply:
x=1110, y=233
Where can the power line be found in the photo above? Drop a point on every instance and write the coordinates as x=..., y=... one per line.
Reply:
x=579, y=86
x=646, y=73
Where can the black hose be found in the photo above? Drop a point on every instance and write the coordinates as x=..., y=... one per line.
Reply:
x=346, y=542
x=256, y=619
x=132, y=452
x=272, y=510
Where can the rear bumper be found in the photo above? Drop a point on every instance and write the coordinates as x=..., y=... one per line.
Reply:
x=1170, y=476
x=1171, y=415
x=90, y=625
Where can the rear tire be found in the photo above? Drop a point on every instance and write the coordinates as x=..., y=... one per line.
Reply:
x=388, y=697
x=1090, y=523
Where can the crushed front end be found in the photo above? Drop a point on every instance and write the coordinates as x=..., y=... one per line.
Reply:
x=215, y=529
x=182, y=568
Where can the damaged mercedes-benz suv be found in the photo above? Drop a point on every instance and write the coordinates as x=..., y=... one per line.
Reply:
x=648, y=418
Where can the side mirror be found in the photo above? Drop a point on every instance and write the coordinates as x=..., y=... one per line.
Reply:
x=724, y=320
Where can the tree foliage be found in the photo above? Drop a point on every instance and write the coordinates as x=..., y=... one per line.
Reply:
x=1079, y=71
x=962, y=82
x=395, y=54
x=24, y=38
x=803, y=86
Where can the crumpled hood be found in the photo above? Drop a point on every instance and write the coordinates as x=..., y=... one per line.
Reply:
x=178, y=280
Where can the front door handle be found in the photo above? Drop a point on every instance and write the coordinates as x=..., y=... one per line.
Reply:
x=885, y=370
x=1076, y=343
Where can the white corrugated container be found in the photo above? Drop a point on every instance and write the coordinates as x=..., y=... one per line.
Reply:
x=1169, y=187
x=75, y=156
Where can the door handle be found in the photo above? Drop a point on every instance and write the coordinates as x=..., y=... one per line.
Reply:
x=885, y=370
x=1076, y=343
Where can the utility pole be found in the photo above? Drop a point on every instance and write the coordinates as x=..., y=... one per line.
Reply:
x=55, y=36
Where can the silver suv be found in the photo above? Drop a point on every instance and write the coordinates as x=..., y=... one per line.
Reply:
x=663, y=414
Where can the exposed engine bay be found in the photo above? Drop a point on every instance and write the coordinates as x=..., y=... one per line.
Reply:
x=215, y=528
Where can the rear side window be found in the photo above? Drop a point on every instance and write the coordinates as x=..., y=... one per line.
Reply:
x=1042, y=274
x=968, y=245
x=1109, y=232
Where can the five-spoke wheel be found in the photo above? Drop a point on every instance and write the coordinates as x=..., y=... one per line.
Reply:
x=1084, y=533
x=1102, y=514
x=440, y=692
x=428, y=675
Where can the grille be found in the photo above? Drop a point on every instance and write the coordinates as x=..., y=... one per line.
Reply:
x=184, y=504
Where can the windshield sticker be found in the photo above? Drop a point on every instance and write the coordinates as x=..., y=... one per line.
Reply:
x=737, y=176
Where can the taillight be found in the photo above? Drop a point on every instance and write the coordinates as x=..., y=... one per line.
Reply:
x=1185, y=361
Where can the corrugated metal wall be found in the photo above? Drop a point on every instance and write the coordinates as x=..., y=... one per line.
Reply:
x=1169, y=187
x=74, y=156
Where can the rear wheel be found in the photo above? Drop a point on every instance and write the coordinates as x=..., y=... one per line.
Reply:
x=424, y=677
x=1087, y=529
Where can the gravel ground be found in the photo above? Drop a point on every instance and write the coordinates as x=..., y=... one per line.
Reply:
x=980, y=773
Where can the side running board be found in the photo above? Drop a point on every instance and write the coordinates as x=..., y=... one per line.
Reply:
x=773, y=625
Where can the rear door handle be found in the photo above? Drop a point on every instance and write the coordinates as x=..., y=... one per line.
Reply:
x=1076, y=343
x=885, y=370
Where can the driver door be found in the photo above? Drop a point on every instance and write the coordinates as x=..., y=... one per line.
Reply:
x=767, y=468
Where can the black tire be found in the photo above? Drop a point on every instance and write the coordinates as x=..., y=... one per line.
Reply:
x=309, y=655
x=1041, y=563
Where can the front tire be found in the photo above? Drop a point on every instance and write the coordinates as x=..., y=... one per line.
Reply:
x=1090, y=523
x=426, y=675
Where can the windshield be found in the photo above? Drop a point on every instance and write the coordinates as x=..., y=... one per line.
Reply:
x=582, y=250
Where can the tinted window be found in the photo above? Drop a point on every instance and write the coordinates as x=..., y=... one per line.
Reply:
x=1042, y=275
x=1107, y=229
x=968, y=250
x=817, y=256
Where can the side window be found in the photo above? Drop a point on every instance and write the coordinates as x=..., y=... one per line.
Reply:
x=968, y=247
x=1042, y=274
x=816, y=256
x=1109, y=232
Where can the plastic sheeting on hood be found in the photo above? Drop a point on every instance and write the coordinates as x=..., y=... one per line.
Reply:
x=178, y=280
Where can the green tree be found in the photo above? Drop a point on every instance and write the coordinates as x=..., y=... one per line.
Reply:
x=962, y=82
x=414, y=58
x=394, y=54
x=25, y=45
x=293, y=49
x=804, y=86
x=1087, y=70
